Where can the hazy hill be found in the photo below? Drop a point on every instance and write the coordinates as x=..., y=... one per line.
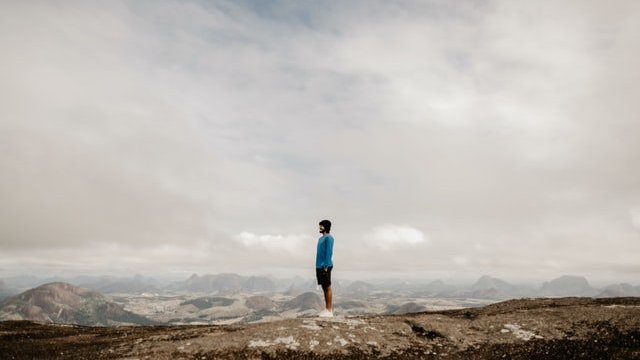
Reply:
x=306, y=301
x=300, y=287
x=620, y=290
x=438, y=286
x=65, y=303
x=286, y=283
x=488, y=287
x=208, y=302
x=568, y=286
x=5, y=291
x=406, y=308
x=109, y=284
x=259, y=302
x=360, y=288
x=258, y=284
x=488, y=282
x=232, y=285
x=350, y=304
x=226, y=283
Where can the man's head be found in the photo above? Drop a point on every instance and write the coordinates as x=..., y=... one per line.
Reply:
x=325, y=226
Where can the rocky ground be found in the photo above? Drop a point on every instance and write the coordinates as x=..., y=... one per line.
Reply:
x=567, y=328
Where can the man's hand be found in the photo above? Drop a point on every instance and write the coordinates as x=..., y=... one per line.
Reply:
x=325, y=269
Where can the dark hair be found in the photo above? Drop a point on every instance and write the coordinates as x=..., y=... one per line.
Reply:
x=326, y=224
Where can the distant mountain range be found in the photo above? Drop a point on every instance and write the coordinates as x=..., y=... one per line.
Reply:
x=619, y=290
x=487, y=287
x=231, y=297
x=227, y=284
x=126, y=285
x=65, y=303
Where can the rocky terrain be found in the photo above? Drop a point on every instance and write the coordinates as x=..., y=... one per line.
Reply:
x=561, y=328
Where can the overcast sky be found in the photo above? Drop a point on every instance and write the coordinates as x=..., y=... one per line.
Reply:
x=443, y=139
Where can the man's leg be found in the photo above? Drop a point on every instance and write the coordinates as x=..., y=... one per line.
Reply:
x=328, y=297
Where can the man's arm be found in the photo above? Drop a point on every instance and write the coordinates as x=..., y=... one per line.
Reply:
x=328, y=253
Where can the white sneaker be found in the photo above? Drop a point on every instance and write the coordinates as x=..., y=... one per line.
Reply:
x=325, y=313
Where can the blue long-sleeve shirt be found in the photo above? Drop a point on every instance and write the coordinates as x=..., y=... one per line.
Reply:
x=324, y=252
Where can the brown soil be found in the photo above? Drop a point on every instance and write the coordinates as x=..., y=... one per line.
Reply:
x=568, y=328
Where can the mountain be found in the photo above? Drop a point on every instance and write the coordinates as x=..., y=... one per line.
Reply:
x=440, y=289
x=300, y=287
x=350, y=304
x=568, y=286
x=438, y=286
x=258, y=284
x=360, y=288
x=225, y=283
x=305, y=301
x=620, y=290
x=406, y=308
x=5, y=291
x=259, y=302
x=488, y=282
x=282, y=284
x=208, y=302
x=68, y=304
x=218, y=283
x=110, y=285
x=488, y=287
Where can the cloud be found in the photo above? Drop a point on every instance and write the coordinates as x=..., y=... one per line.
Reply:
x=390, y=236
x=634, y=212
x=273, y=243
x=171, y=123
x=460, y=260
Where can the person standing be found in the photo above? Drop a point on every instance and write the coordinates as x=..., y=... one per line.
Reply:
x=324, y=265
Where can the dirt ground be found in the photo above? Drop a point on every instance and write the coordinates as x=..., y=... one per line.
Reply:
x=567, y=328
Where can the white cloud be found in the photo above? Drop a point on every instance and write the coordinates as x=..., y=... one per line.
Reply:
x=389, y=236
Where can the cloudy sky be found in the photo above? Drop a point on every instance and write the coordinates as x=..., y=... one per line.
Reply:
x=443, y=139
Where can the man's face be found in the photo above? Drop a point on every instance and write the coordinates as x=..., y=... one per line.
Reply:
x=321, y=229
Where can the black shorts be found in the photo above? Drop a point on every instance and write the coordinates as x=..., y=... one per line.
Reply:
x=324, y=277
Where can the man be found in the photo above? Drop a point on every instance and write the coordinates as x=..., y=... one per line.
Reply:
x=324, y=265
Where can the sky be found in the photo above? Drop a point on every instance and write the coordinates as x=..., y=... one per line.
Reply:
x=444, y=140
